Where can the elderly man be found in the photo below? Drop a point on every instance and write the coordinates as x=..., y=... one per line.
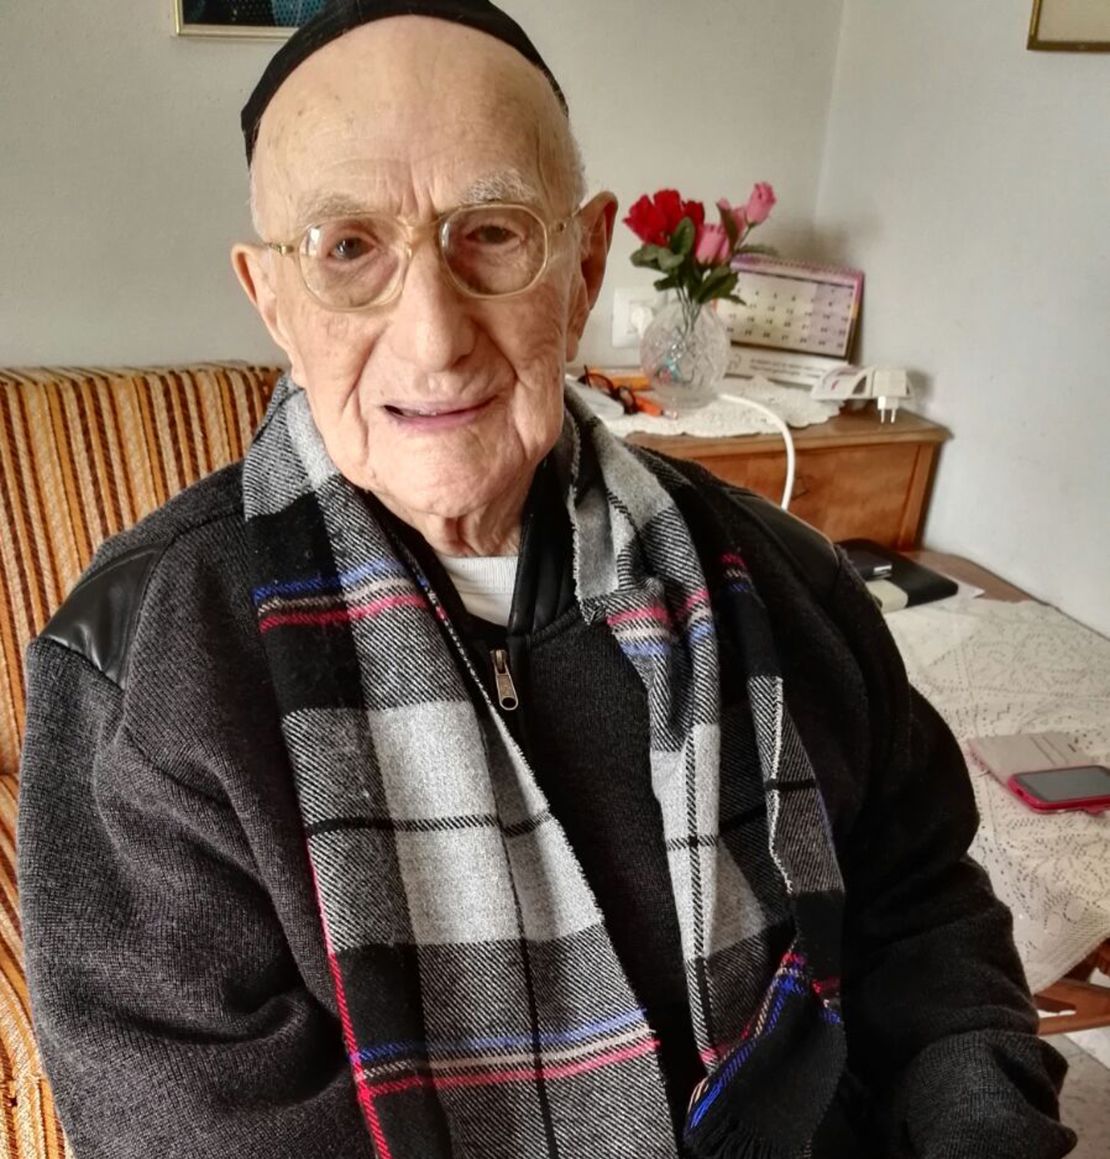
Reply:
x=450, y=780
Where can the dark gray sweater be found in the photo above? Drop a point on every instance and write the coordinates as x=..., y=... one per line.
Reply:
x=180, y=988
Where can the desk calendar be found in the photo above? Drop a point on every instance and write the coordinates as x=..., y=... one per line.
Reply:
x=795, y=307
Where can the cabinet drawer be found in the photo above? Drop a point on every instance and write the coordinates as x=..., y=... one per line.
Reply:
x=855, y=476
x=843, y=491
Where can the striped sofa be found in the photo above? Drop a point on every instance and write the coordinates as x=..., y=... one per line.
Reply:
x=83, y=454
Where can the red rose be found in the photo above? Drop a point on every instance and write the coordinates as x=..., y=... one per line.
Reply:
x=695, y=211
x=646, y=222
x=654, y=219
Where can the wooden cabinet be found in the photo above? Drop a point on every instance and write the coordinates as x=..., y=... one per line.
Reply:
x=855, y=476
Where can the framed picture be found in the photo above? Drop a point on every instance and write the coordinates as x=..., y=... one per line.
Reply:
x=256, y=19
x=1070, y=26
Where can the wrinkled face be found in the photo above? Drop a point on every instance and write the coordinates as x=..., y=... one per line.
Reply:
x=438, y=402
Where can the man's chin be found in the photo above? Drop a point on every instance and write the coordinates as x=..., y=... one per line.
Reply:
x=464, y=497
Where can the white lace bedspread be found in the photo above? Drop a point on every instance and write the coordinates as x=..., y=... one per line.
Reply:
x=993, y=668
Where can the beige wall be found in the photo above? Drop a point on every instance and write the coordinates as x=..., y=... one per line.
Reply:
x=122, y=181
x=968, y=177
x=971, y=180
x=123, y=174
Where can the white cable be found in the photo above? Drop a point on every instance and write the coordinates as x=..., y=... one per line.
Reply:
x=784, y=430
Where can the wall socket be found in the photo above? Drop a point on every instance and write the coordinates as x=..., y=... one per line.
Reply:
x=628, y=307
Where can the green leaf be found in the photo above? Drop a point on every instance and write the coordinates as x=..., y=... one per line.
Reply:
x=682, y=240
x=731, y=228
x=721, y=281
x=724, y=290
x=669, y=262
x=667, y=283
x=650, y=256
x=720, y=289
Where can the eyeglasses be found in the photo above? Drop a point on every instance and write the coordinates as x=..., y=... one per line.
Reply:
x=605, y=384
x=631, y=402
x=494, y=250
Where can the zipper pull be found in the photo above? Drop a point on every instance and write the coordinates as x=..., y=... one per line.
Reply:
x=503, y=678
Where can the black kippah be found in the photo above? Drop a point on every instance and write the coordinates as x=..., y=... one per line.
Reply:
x=340, y=16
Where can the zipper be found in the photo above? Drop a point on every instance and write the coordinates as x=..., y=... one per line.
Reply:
x=503, y=679
x=463, y=654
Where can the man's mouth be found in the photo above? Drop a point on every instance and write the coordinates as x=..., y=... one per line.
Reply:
x=424, y=412
x=433, y=416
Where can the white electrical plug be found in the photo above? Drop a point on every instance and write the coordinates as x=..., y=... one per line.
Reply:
x=888, y=386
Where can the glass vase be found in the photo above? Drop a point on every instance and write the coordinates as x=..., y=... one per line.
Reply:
x=684, y=353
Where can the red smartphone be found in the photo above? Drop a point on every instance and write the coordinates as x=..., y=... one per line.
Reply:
x=1047, y=790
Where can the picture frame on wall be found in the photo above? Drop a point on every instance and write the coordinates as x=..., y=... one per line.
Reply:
x=245, y=19
x=1070, y=26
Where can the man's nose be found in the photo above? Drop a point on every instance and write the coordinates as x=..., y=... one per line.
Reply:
x=430, y=325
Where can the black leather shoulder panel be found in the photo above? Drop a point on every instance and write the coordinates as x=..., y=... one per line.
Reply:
x=812, y=553
x=99, y=617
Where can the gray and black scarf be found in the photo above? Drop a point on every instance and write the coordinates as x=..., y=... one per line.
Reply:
x=483, y=1008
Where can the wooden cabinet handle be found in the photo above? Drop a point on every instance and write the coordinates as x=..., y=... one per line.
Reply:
x=801, y=487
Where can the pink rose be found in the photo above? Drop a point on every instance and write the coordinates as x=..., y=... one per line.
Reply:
x=712, y=247
x=738, y=213
x=760, y=203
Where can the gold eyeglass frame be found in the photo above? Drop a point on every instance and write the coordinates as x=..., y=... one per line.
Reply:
x=416, y=232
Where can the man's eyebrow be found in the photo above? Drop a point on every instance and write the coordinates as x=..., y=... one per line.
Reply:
x=321, y=207
x=505, y=186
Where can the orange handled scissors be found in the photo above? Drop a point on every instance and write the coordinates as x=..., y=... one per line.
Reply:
x=630, y=400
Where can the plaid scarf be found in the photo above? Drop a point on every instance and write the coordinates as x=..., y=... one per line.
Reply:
x=483, y=1008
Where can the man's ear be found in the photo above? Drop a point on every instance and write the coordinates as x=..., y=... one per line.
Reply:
x=254, y=269
x=596, y=219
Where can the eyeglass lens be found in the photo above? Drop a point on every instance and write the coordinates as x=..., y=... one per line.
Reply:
x=490, y=251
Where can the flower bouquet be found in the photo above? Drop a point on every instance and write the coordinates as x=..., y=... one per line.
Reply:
x=684, y=351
